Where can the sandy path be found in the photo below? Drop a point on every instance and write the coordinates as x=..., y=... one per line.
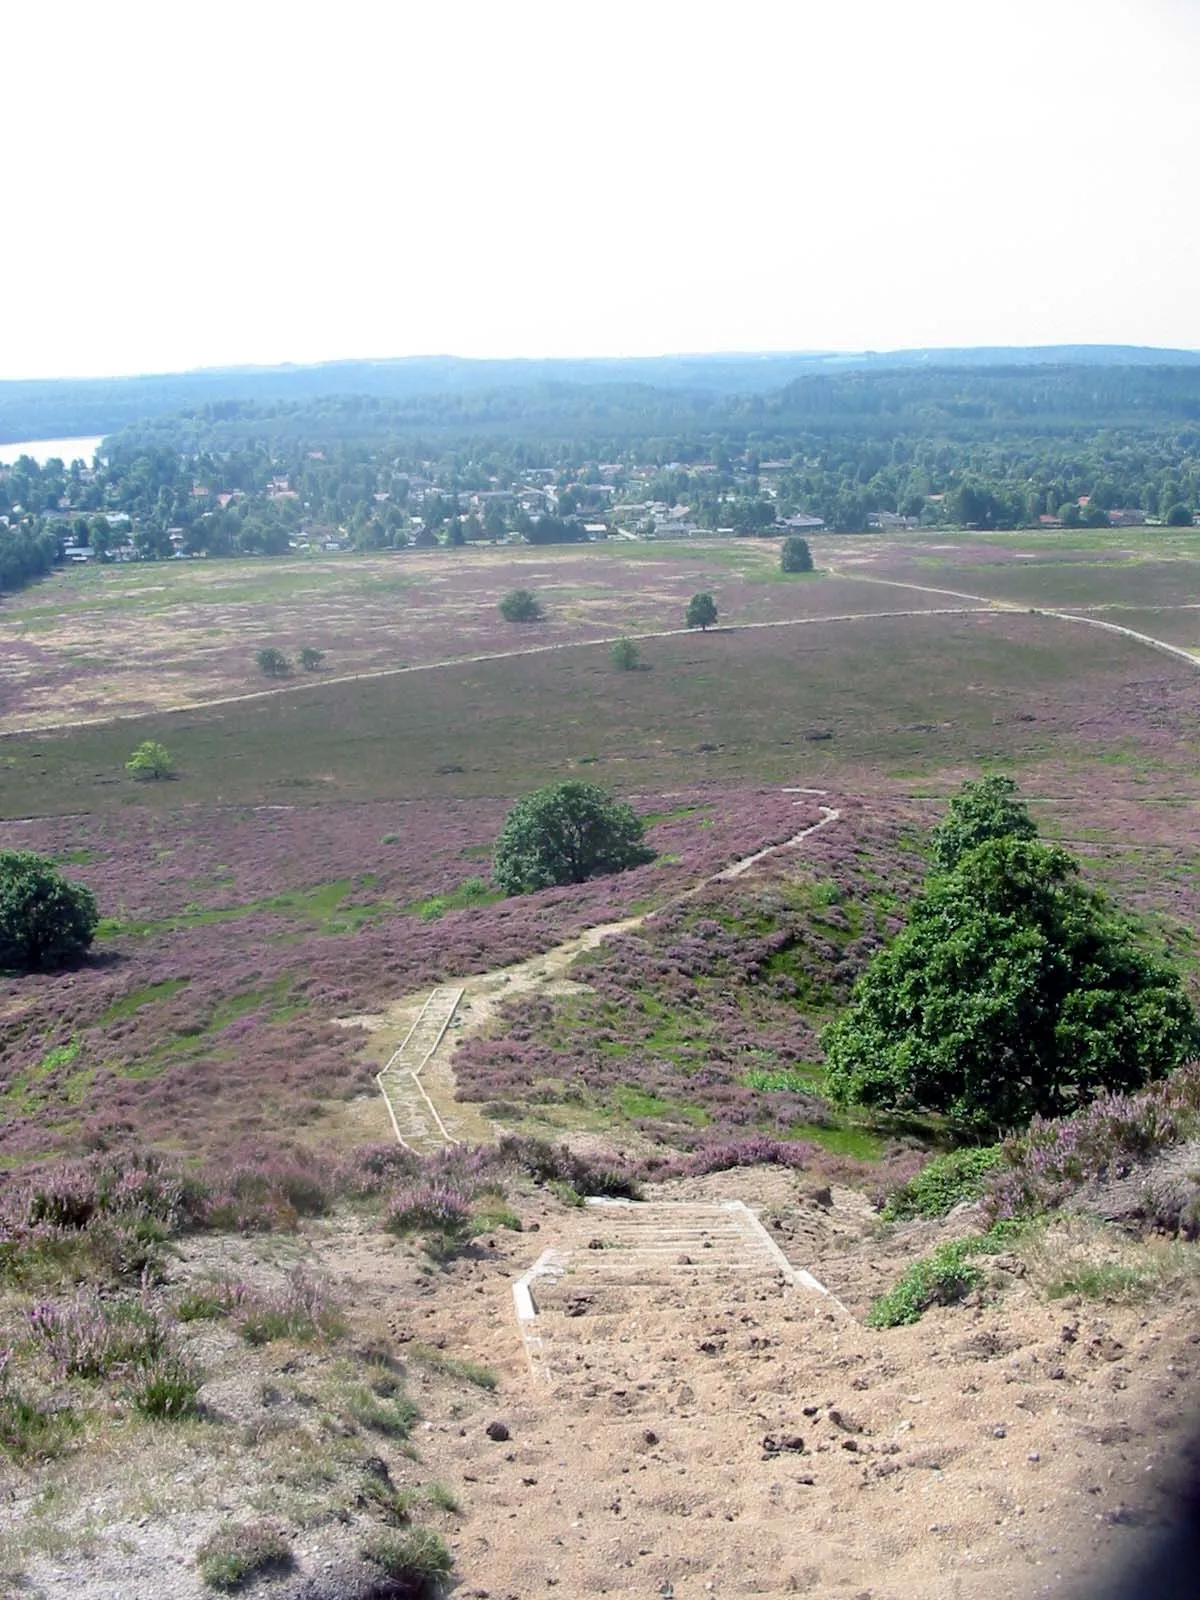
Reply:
x=700, y=1430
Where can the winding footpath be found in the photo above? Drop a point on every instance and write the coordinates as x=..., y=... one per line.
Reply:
x=411, y=1092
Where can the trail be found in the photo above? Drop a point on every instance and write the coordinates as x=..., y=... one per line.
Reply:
x=986, y=603
x=417, y=1083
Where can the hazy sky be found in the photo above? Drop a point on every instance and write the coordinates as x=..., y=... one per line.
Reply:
x=210, y=183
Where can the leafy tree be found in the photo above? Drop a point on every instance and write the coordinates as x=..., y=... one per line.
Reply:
x=311, y=658
x=566, y=834
x=1179, y=516
x=44, y=920
x=794, y=555
x=150, y=761
x=982, y=810
x=272, y=662
x=1013, y=991
x=625, y=655
x=521, y=605
x=701, y=612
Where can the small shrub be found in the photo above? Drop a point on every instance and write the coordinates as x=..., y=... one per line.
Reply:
x=303, y=1312
x=431, y=1208
x=625, y=656
x=946, y=1182
x=419, y=1558
x=88, y=1338
x=311, y=658
x=521, y=605
x=272, y=662
x=209, y=1302
x=237, y=1552
x=150, y=762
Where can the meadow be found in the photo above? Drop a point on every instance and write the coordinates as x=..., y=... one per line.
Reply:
x=324, y=850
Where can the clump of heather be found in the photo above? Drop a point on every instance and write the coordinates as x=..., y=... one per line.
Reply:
x=303, y=1310
x=87, y=1337
x=1056, y=1157
x=429, y=1207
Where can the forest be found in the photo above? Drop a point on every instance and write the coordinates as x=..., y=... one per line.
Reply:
x=982, y=444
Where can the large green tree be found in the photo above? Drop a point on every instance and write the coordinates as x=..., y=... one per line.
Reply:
x=701, y=612
x=44, y=920
x=566, y=834
x=1014, y=990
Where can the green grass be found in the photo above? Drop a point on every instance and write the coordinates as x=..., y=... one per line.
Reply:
x=239, y=1552
x=145, y=996
x=418, y=1559
x=947, y=1275
x=1106, y=1280
x=860, y=1143
x=947, y=1181
x=473, y=892
x=451, y=1366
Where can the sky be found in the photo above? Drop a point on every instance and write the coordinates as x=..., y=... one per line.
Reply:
x=196, y=185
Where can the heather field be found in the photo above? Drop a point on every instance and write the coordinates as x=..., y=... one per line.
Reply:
x=324, y=853
x=863, y=703
x=91, y=644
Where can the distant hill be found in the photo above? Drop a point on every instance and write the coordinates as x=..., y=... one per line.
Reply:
x=54, y=408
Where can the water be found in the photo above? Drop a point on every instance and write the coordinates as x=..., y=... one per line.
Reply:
x=42, y=450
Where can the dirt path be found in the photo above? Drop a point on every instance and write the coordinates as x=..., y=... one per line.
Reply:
x=986, y=603
x=417, y=1083
x=710, y=1427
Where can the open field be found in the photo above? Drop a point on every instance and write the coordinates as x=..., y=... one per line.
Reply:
x=852, y=703
x=90, y=644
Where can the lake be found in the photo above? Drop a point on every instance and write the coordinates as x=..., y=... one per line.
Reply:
x=43, y=450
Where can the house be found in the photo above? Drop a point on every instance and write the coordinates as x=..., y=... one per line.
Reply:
x=1126, y=517
x=890, y=519
x=801, y=522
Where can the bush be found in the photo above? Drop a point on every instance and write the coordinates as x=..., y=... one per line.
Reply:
x=311, y=658
x=794, y=555
x=521, y=605
x=944, y=1183
x=566, y=834
x=625, y=655
x=238, y=1552
x=430, y=1208
x=150, y=761
x=1179, y=516
x=701, y=612
x=44, y=920
x=87, y=1337
x=272, y=662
